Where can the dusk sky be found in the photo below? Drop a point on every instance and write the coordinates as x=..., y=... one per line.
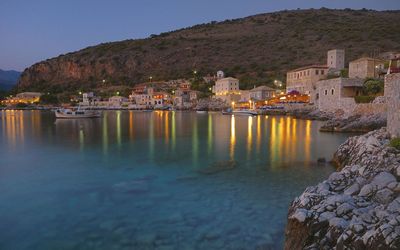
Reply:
x=31, y=31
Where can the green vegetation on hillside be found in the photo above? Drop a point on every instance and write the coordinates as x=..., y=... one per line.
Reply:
x=256, y=49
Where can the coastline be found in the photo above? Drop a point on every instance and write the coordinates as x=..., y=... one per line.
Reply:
x=358, y=206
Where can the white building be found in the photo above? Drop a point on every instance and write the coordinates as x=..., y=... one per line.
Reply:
x=227, y=89
x=117, y=101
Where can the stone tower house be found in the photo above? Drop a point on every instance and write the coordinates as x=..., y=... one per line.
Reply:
x=335, y=59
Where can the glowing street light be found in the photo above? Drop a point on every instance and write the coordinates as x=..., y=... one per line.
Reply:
x=80, y=92
x=117, y=92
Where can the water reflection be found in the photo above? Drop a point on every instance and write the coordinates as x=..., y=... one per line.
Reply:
x=233, y=138
x=278, y=139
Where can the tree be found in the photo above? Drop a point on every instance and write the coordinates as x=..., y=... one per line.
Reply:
x=373, y=87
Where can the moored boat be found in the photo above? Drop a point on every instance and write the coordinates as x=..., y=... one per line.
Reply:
x=244, y=112
x=78, y=113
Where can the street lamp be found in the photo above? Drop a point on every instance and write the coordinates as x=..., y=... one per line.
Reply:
x=233, y=105
x=150, y=78
x=104, y=81
x=117, y=92
x=80, y=92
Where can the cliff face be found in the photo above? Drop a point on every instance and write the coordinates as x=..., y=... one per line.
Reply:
x=355, y=208
x=259, y=47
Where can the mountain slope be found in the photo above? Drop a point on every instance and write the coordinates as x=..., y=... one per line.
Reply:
x=8, y=78
x=255, y=48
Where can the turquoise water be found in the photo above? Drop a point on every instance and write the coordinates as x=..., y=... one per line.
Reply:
x=136, y=180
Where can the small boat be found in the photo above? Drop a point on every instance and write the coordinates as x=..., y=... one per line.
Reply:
x=227, y=112
x=78, y=113
x=201, y=111
x=244, y=112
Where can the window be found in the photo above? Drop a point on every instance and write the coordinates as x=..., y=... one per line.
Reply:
x=326, y=92
x=322, y=72
x=332, y=91
x=317, y=72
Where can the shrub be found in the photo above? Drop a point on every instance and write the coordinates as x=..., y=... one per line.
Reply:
x=373, y=87
x=395, y=142
x=364, y=98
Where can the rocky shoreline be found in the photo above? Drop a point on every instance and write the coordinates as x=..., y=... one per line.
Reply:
x=357, y=207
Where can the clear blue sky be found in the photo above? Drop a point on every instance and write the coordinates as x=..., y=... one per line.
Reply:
x=33, y=30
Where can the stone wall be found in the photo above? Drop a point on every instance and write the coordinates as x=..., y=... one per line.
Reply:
x=366, y=109
x=392, y=94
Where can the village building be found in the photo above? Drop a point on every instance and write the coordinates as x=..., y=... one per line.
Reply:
x=366, y=67
x=262, y=93
x=244, y=96
x=304, y=79
x=117, y=101
x=335, y=59
x=24, y=97
x=389, y=55
x=185, y=98
x=338, y=93
x=227, y=89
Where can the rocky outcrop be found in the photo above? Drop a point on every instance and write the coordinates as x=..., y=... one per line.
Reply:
x=310, y=114
x=355, y=123
x=355, y=208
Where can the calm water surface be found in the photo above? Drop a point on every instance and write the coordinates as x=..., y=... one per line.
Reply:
x=133, y=180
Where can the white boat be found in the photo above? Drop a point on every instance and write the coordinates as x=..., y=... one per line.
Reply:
x=201, y=111
x=244, y=112
x=78, y=113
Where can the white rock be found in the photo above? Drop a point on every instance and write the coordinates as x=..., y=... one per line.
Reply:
x=384, y=196
x=353, y=189
x=326, y=216
x=372, y=143
x=300, y=215
x=394, y=206
x=338, y=222
x=344, y=209
x=366, y=190
x=383, y=179
x=392, y=185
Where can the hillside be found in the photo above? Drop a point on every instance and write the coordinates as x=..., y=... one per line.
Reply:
x=256, y=49
x=8, y=78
